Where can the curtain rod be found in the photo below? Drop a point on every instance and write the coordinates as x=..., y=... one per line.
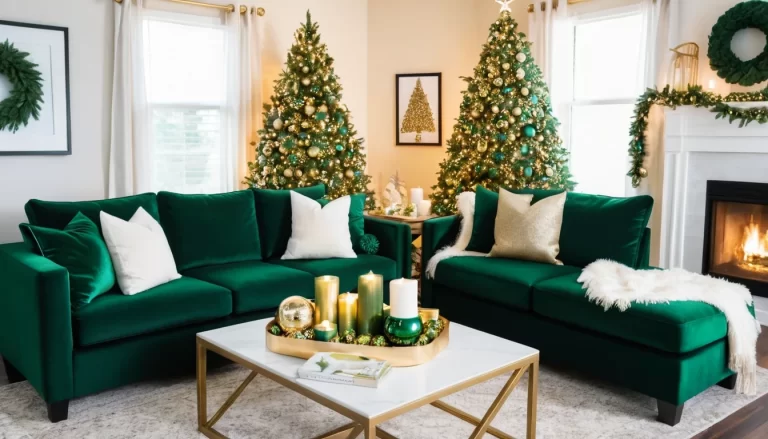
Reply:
x=229, y=8
x=554, y=4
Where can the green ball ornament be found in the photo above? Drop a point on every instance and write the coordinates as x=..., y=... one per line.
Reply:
x=339, y=147
x=349, y=336
x=293, y=159
x=343, y=131
x=493, y=173
x=529, y=131
x=528, y=171
x=402, y=332
x=379, y=341
x=507, y=90
x=321, y=116
x=275, y=330
x=535, y=100
x=364, y=339
x=525, y=149
x=498, y=157
x=369, y=244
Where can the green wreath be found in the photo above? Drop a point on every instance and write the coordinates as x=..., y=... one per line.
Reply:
x=26, y=92
x=750, y=14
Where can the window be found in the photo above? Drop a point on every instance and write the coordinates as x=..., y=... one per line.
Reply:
x=188, y=111
x=607, y=78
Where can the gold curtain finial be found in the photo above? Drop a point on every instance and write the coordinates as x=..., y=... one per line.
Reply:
x=259, y=11
x=243, y=9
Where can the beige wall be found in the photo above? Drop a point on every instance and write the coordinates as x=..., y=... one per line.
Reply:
x=424, y=36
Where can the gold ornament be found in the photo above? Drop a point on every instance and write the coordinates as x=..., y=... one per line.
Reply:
x=550, y=172
x=288, y=172
x=517, y=111
x=305, y=124
x=295, y=314
x=475, y=114
x=309, y=110
x=498, y=82
x=323, y=108
x=495, y=109
x=540, y=138
x=524, y=91
x=482, y=146
x=277, y=124
x=349, y=174
x=520, y=57
x=642, y=172
x=306, y=81
x=314, y=172
x=292, y=129
x=305, y=69
x=298, y=173
x=267, y=151
x=313, y=151
x=520, y=74
x=506, y=66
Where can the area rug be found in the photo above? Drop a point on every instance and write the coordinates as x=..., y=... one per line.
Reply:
x=569, y=407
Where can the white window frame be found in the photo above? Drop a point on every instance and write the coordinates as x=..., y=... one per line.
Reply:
x=570, y=102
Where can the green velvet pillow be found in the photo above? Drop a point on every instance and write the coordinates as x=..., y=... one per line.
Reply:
x=210, y=229
x=274, y=207
x=594, y=226
x=57, y=214
x=80, y=249
x=356, y=218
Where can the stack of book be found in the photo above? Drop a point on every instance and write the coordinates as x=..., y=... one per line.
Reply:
x=344, y=369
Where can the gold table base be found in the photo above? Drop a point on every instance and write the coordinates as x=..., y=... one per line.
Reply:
x=369, y=427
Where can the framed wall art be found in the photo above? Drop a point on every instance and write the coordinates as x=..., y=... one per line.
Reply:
x=419, y=109
x=34, y=90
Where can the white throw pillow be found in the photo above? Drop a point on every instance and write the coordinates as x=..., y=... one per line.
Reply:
x=319, y=232
x=140, y=252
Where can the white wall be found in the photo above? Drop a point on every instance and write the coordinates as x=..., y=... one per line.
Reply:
x=81, y=175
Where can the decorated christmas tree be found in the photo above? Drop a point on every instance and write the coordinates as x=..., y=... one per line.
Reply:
x=308, y=137
x=506, y=135
x=418, y=117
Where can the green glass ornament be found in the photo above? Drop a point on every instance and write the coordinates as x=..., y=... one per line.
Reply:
x=402, y=332
x=507, y=90
x=293, y=159
x=275, y=330
x=339, y=147
x=343, y=131
x=528, y=171
x=493, y=173
x=529, y=131
x=321, y=116
x=525, y=149
x=502, y=137
x=499, y=157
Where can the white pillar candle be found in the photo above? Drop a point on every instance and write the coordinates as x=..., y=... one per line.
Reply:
x=404, y=298
x=425, y=207
x=417, y=195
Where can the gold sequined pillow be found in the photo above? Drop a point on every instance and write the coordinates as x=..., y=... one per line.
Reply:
x=528, y=232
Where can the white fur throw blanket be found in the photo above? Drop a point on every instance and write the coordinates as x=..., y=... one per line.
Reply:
x=466, y=205
x=610, y=284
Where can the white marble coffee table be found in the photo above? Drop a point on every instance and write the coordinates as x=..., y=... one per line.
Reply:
x=470, y=358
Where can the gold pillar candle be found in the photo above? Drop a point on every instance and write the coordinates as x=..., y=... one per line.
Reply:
x=326, y=298
x=370, y=304
x=347, y=312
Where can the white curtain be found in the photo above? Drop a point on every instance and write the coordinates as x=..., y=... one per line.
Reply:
x=547, y=28
x=244, y=90
x=130, y=170
x=659, y=25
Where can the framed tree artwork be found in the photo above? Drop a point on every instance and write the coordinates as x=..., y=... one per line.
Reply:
x=419, y=109
x=34, y=90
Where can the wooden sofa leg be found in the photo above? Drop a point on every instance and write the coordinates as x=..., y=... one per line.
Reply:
x=669, y=413
x=14, y=376
x=58, y=411
x=728, y=383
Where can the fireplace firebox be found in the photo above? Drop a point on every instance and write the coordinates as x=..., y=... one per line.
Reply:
x=736, y=233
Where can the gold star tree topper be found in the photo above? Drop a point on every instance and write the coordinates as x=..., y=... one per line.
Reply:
x=505, y=5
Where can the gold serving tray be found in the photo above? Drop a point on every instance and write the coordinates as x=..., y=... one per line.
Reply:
x=401, y=356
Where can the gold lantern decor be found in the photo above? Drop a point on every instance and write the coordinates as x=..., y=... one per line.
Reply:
x=685, y=66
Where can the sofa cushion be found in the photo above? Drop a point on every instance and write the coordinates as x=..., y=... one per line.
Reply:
x=347, y=270
x=210, y=229
x=257, y=286
x=274, y=207
x=114, y=316
x=507, y=282
x=356, y=218
x=594, y=226
x=676, y=327
x=57, y=214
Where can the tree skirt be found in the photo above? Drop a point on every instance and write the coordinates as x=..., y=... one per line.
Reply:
x=569, y=407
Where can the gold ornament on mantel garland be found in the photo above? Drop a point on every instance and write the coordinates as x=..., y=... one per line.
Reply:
x=698, y=98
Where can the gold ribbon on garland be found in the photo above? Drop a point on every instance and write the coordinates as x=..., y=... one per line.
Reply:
x=698, y=98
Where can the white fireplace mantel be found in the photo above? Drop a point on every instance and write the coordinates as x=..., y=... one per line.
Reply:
x=699, y=148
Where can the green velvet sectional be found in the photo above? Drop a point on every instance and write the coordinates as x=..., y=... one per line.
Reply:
x=227, y=248
x=670, y=352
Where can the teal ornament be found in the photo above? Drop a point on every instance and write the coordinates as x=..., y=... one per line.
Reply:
x=545, y=179
x=303, y=135
x=402, y=332
x=321, y=116
x=316, y=89
x=528, y=171
x=339, y=117
x=493, y=173
x=293, y=159
x=369, y=244
x=639, y=146
x=358, y=174
x=478, y=169
x=534, y=100
x=343, y=131
x=288, y=143
x=339, y=147
x=498, y=157
x=507, y=90
x=502, y=137
x=529, y=131
x=525, y=149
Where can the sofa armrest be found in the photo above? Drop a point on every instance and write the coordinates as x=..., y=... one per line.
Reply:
x=36, y=320
x=436, y=234
x=395, y=242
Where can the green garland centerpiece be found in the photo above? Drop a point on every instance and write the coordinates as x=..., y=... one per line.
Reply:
x=750, y=14
x=696, y=97
x=26, y=88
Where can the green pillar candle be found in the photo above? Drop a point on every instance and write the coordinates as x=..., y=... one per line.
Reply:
x=370, y=304
x=326, y=298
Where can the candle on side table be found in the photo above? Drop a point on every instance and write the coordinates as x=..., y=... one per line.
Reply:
x=325, y=331
x=347, y=312
x=417, y=195
x=326, y=298
x=370, y=304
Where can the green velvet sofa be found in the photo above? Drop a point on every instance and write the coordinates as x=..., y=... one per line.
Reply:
x=227, y=248
x=670, y=352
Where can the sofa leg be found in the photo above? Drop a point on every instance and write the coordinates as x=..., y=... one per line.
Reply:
x=58, y=411
x=14, y=376
x=728, y=383
x=669, y=413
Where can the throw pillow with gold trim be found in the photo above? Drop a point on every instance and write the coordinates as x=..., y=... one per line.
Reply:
x=528, y=232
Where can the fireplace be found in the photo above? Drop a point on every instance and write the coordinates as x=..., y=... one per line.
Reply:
x=736, y=233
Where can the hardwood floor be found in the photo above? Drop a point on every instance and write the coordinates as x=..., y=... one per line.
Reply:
x=751, y=422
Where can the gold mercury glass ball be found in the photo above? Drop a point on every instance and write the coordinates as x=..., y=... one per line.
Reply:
x=643, y=172
x=295, y=314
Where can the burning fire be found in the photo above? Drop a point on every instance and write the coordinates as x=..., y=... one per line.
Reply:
x=754, y=248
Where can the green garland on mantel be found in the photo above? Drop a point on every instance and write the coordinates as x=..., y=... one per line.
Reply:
x=696, y=97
